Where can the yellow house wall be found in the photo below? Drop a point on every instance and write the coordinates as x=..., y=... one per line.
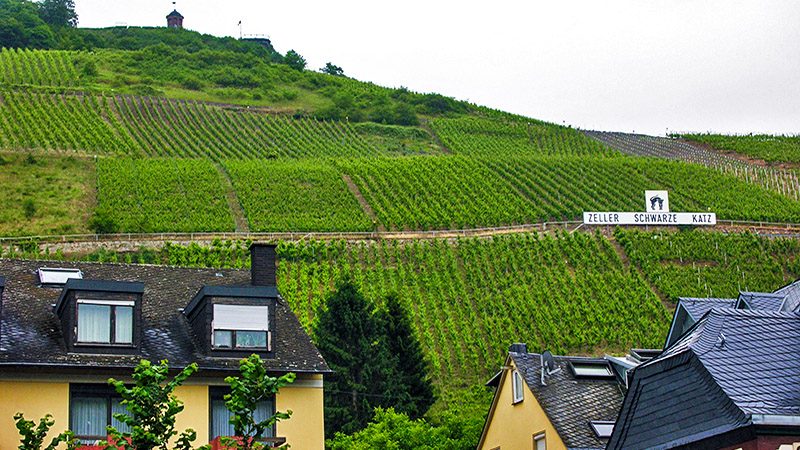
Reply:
x=304, y=430
x=512, y=426
x=34, y=399
x=195, y=414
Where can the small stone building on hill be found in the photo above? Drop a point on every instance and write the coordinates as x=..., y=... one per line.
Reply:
x=174, y=19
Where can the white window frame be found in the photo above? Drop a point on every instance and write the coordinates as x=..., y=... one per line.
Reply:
x=596, y=427
x=517, y=391
x=113, y=305
x=539, y=438
x=232, y=328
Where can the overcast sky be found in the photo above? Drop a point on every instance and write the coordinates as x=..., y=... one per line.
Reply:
x=709, y=65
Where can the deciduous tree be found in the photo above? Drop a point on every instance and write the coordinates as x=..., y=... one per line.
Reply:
x=252, y=387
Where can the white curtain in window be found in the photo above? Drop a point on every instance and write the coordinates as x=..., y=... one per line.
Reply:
x=89, y=415
x=118, y=408
x=241, y=317
x=220, y=418
x=94, y=323
x=123, y=332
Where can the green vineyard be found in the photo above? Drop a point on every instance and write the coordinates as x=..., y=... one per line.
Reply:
x=512, y=136
x=770, y=148
x=161, y=195
x=35, y=67
x=712, y=264
x=302, y=196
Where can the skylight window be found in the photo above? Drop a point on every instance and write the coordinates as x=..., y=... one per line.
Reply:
x=600, y=369
x=602, y=429
x=57, y=276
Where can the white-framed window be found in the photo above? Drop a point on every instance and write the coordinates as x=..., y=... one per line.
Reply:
x=539, y=442
x=516, y=386
x=240, y=327
x=104, y=322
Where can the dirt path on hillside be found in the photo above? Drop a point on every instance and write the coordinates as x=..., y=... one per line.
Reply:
x=427, y=127
x=235, y=207
x=363, y=202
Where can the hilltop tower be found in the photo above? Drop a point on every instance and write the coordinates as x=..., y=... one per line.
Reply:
x=175, y=19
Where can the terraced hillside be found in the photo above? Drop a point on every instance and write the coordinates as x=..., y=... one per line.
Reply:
x=770, y=148
x=696, y=149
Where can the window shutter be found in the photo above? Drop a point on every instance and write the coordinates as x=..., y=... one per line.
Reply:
x=241, y=317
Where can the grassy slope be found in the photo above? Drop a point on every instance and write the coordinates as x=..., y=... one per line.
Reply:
x=60, y=190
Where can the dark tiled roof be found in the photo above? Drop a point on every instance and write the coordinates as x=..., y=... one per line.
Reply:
x=571, y=403
x=731, y=364
x=78, y=284
x=697, y=307
x=31, y=334
x=174, y=13
x=762, y=300
x=792, y=293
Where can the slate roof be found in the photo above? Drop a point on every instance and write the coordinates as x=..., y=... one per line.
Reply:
x=698, y=307
x=572, y=403
x=751, y=354
x=731, y=364
x=792, y=293
x=174, y=13
x=762, y=300
x=31, y=335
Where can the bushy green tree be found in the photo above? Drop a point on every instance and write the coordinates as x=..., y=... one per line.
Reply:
x=252, y=387
x=411, y=390
x=59, y=13
x=152, y=407
x=21, y=26
x=393, y=430
x=294, y=60
x=351, y=339
x=332, y=69
x=33, y=435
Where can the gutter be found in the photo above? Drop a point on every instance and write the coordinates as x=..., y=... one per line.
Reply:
x=775, y=419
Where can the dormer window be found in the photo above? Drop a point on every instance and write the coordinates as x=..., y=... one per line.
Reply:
x=241, y=327
x=99, y=316
x=234, y=321
x=105, y=322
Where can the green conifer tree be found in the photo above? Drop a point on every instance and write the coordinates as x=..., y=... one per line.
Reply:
x=411, y=391
x=351, y=339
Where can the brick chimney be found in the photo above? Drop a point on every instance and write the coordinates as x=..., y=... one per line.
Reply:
x=262, y=264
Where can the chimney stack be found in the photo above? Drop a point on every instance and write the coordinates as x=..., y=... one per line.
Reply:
x=262, y=264
x=518, y=348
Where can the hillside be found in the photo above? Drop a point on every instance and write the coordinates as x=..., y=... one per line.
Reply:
x=154, y=130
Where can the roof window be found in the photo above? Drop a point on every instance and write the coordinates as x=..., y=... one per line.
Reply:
x=591, y=369
x=644, y=354
x=52, y=276
x=602, y=429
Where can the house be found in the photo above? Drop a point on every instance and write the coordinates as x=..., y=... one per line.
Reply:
x=729, y=378
x=64, y=331
x=690, y=310
x=555, y=402
x=732, y=381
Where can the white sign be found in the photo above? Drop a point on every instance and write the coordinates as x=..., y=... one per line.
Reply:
x=657, y=213
x=665, y=219
x=656, y=201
